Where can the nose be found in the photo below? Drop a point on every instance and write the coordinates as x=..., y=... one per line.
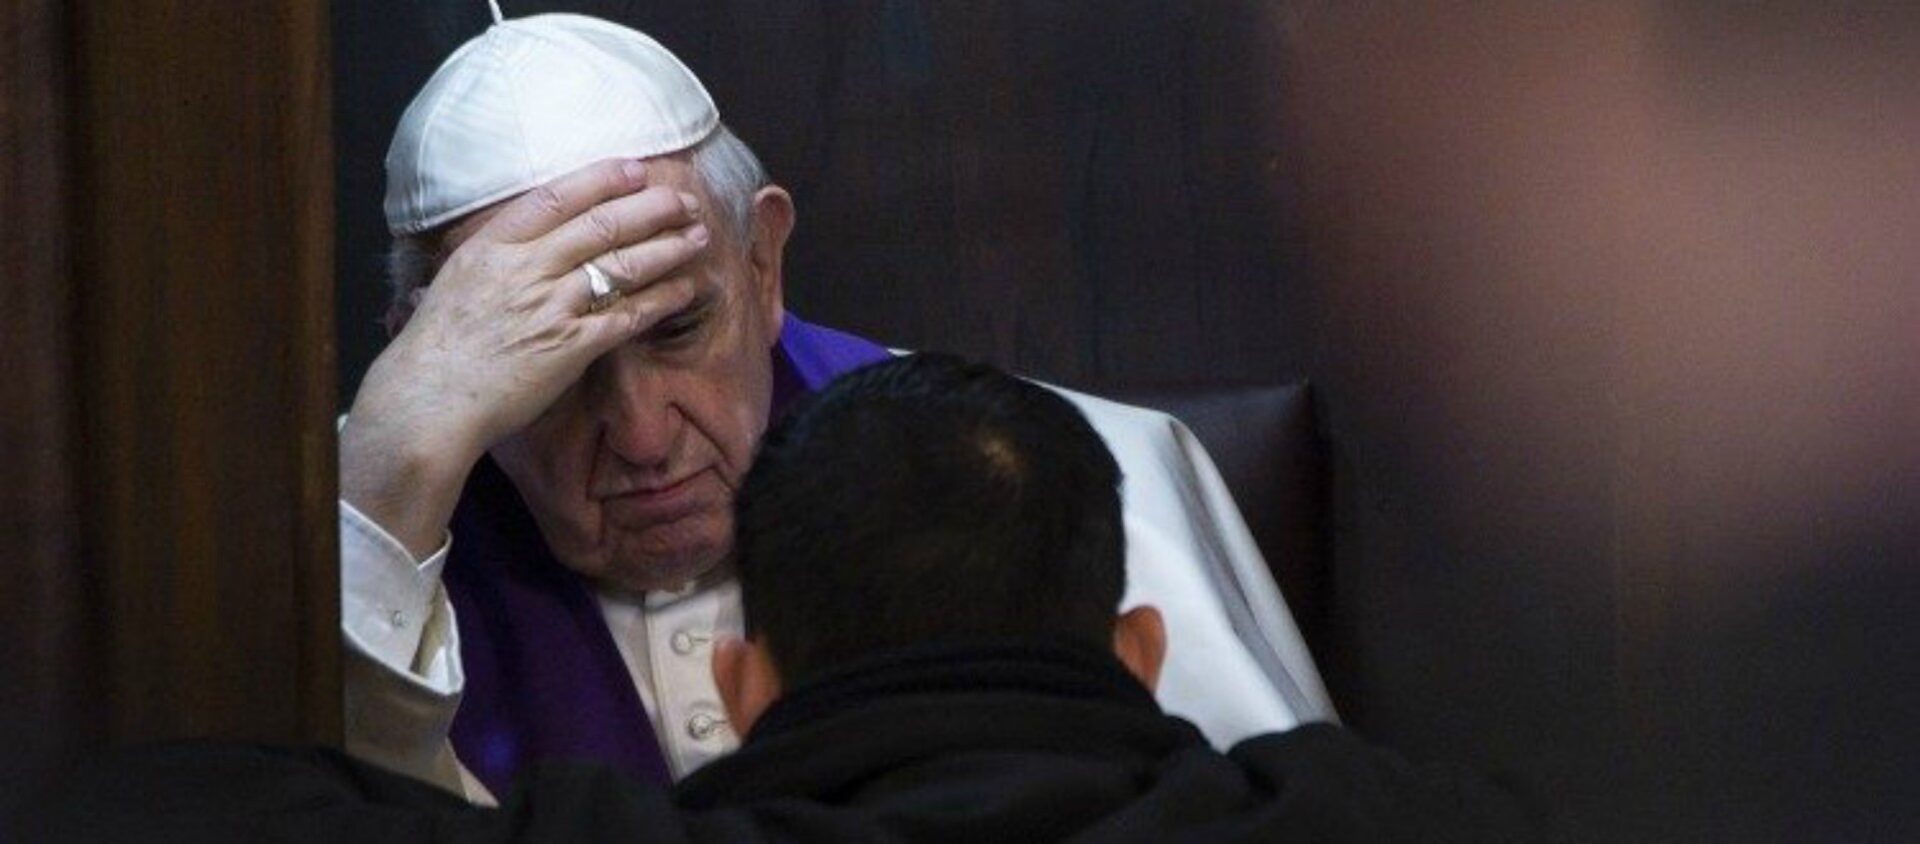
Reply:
x=637, y=419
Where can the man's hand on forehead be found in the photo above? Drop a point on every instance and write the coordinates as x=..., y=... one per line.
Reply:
x=633, y=237
x=509, y=322
x=594, y=211
x=608, y=214
x=515, y=301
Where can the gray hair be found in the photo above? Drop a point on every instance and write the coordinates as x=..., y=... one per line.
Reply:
x=731, y=172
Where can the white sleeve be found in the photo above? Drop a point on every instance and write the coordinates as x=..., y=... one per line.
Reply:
x=1236, y=663
x=401, y=655
x=1249, y=597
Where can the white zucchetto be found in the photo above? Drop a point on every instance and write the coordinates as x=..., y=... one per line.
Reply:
x=531, y=99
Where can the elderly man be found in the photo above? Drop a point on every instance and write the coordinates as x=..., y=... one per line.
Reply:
x=537, y=473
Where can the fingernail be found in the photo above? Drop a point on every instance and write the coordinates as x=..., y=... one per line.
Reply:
x=691, y=202
x=634, y=170
x=698, y=234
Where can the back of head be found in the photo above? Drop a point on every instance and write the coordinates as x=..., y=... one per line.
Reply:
x=925, y=500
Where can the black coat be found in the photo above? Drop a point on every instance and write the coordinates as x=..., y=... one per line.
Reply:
x=982, y=745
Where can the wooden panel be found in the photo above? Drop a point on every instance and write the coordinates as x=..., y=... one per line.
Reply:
x=47, y=702
x=203, y=274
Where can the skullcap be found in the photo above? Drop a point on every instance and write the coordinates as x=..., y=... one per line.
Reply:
x=530, y=99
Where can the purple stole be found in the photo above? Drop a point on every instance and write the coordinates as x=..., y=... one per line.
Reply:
x=545, y=680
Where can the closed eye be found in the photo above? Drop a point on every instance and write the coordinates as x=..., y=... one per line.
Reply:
x=679, y=327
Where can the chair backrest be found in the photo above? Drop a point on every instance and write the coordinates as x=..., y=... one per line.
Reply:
x=1264, y=441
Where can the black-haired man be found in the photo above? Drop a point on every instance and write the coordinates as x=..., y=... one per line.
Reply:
x=931, y=559
x=876, y=709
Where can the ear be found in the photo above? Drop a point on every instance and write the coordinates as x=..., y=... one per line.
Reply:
x=743, y=672
x=773, y=219
x=400, y=313
x=435, y=245
x=1140, y=641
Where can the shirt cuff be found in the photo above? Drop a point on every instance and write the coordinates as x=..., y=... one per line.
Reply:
x=388, y=599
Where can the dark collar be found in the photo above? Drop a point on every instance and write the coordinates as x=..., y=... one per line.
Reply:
x=1050, y=670
x=911, y=704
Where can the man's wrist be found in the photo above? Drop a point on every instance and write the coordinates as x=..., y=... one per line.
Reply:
x=404, y=475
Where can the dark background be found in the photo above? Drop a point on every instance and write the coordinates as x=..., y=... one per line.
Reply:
x=1074, y=189
x=1612, y=313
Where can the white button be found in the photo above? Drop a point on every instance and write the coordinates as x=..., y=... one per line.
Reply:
x=702, y=726
x=684, y=642
x=398, y=618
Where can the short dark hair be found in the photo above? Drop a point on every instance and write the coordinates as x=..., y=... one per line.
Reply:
x=928, y=500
